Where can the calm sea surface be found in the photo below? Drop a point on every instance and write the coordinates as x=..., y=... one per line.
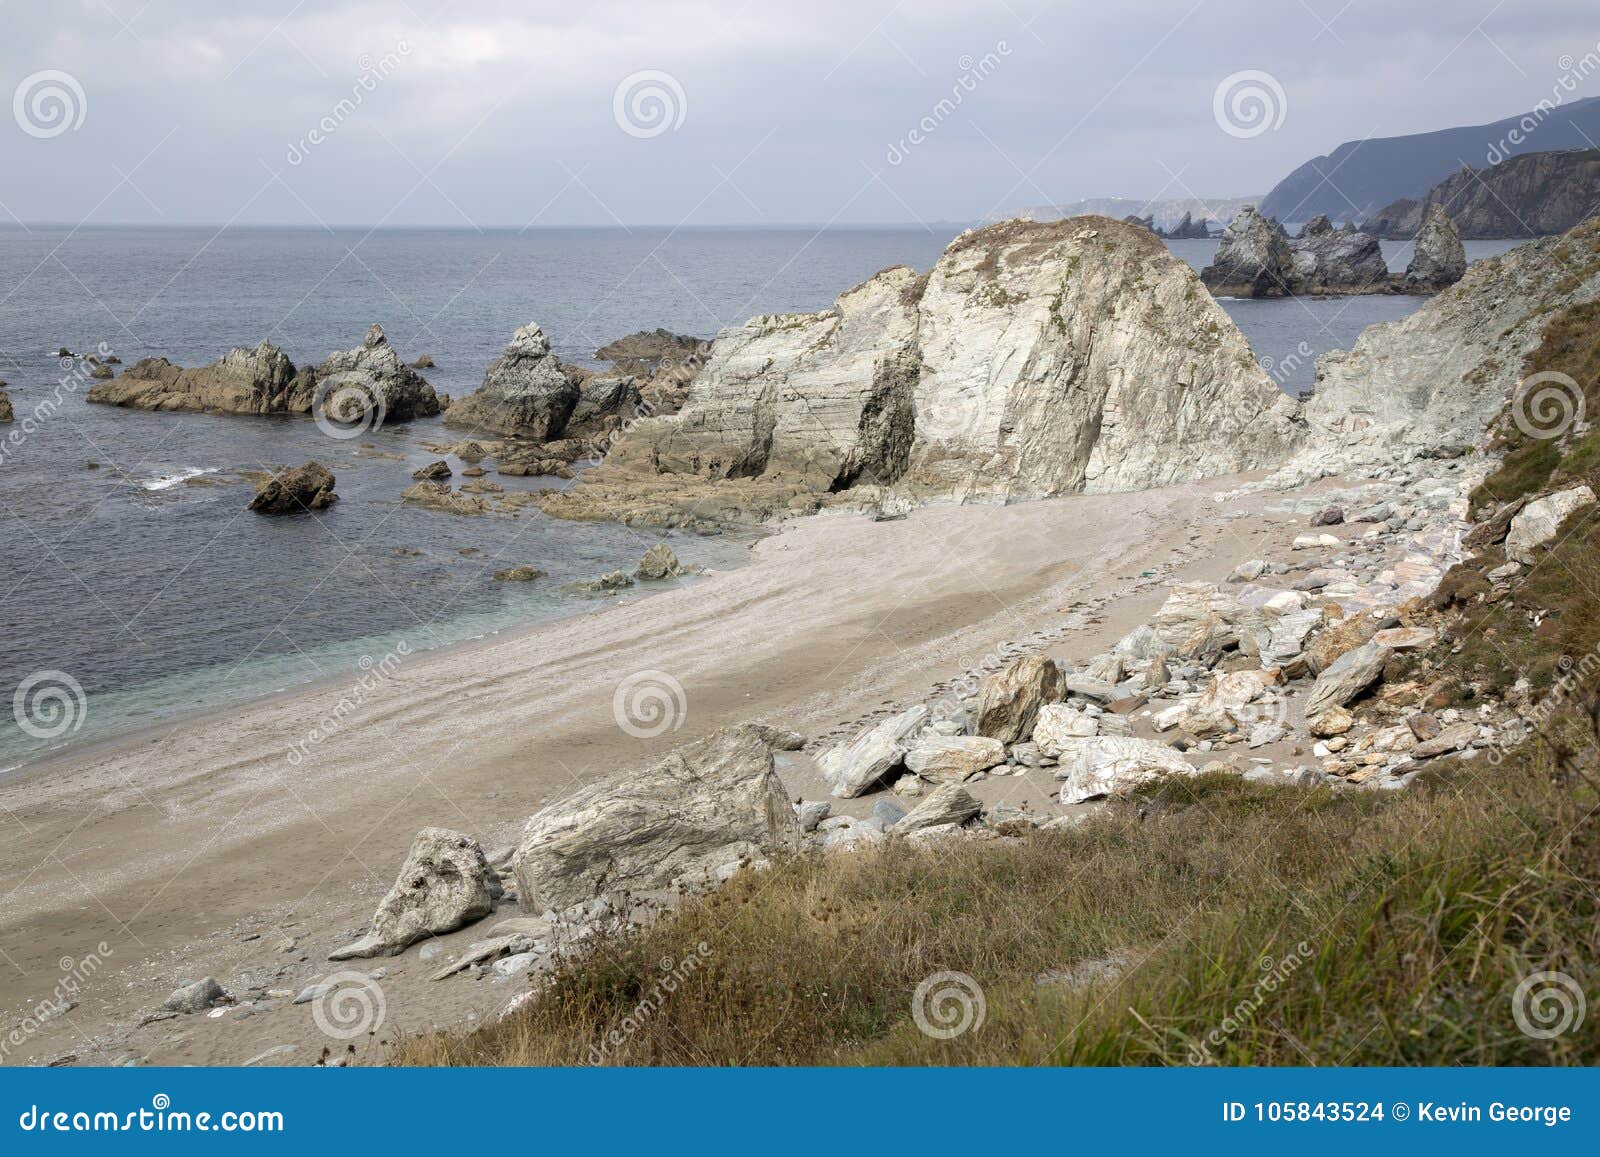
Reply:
x=144, y=582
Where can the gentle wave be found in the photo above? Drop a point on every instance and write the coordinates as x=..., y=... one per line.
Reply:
x=168, y=481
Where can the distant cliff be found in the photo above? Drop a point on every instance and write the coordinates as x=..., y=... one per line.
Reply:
x=1360, y=177
x=1533, y=195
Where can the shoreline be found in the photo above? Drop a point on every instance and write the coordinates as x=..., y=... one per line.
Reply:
x=199, y=851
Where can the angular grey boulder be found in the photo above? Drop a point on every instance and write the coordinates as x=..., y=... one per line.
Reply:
x=196, y=997
x=444, y=883
x=1344, y=679
x=949, y=803
x=1009, y=701
x=871, y=755
x=706, y=806
x=526, y=392
x=1439, y=260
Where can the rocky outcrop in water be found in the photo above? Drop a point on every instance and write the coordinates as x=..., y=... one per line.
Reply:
x=6, y=414
x=244, y=381
x=1439, y=260
x=372, y=380
x=1253, y=260
x=1332, y=261
x=364, y=384
x=1188, y=229
x=1533, y=195
x=1429, y=384
x=1035, y=359
x=525, y=392
x=308, y=487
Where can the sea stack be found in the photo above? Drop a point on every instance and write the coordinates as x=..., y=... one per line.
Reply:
x=1440, y=260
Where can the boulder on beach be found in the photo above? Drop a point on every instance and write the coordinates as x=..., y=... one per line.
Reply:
x=445, y=882
x=308, y=487
x=697, y=813
x=658, y=563
x=1009, y=700
x=1111, y=765
x=876, y=751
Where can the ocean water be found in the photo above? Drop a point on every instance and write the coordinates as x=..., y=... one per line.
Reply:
x=139, y=588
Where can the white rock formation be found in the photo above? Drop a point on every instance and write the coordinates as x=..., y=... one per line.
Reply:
x=871, y=755
x=1110, y=765
x=1540, y=520
x=706, y=806
x=444, y=883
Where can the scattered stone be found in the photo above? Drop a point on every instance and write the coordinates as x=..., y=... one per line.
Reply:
x=308, y=487
x=872, y=755
x=445, y=882
x=953, y=758
x=1332, y=516
x=433, y=471
x=1540, y=521
x=708, y=804
x=196, y=996
x=518, y=574
x=813, y=812
x=1009, y=700
x=948, y=803
x=1110, y=765
x=658, y=563
x=1452, y=738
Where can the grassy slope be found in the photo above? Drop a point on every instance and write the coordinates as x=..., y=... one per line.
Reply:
x=1233, y=923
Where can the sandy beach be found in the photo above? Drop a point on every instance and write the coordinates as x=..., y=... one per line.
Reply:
x=202, y=849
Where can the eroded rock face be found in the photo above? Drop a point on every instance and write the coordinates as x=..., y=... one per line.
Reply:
x=1331, y=261
x=704, y=807
x=1035, y=359
x=244, y=381
x=371, y=379
x=1429, y=384
x=308, y=487
x=1253, y=260
x=526, y=392
x=1439, y=260
x=444, y=883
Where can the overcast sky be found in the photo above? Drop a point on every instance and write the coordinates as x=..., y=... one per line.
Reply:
x=496, y=113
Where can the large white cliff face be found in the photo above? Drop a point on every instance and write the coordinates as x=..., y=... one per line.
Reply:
x=1035, y=359
x=1082, y=356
